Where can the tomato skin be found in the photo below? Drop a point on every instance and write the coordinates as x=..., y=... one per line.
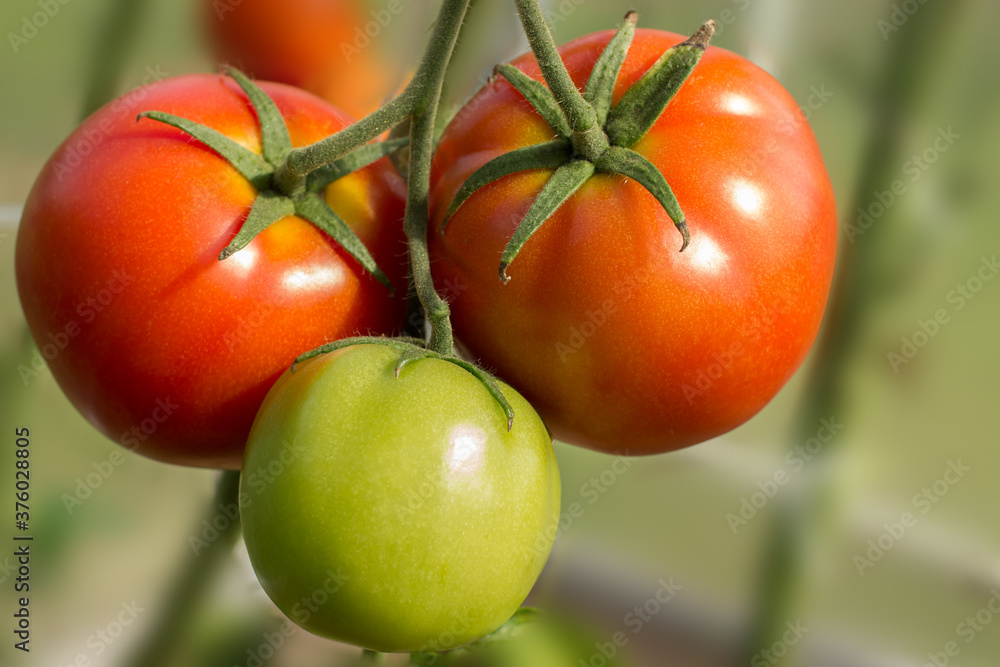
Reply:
x=167, y=350
x=619, y=341
x=310, y=44
x=426, y=521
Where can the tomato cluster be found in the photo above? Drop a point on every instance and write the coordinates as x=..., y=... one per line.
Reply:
x=181, y=260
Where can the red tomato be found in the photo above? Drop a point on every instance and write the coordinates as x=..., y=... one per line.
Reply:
x=619, y=341
x=319, y=45
x=161, y=346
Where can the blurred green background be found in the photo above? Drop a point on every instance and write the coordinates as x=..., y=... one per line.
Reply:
x=894, y=75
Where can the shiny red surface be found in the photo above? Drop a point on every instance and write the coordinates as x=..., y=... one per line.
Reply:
x=135, y=214
x=619, y=341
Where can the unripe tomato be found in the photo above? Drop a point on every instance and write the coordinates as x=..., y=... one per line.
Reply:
x=162, y=347
x=402, y=507
x=621, y=342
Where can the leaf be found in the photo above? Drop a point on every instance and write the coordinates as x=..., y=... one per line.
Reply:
x=539, y=96
x=550, y=155
x=268, y=208
x=567, y=180
x=627, y=162
x=275, y=140
x=601, y=84
x=250, y=165
x=644, y=102
x=315, y=210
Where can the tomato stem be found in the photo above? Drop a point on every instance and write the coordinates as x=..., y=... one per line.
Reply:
x=418, y=102
x=303, y=160
x=414, y=100
x=431, y=77
x=589, y=139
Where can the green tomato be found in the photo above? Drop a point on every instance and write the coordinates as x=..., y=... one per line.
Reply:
x=397, y=514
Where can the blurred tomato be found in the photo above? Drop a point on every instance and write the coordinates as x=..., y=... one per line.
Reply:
x=319, y=45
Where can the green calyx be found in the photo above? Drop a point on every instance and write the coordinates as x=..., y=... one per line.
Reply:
x=280, y=193
x=413, y=349
x=603, y=136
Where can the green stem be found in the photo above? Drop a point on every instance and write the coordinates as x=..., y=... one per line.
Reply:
x=431, y=74
x=417, y=97
x=801, y=517
x=589, y=139
x=111, y=45
x=194, y=582
x=302, y=161
x=373, y=657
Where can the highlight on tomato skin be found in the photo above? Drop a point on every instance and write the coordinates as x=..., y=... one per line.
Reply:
x=432, y=518
x=320, y=46
x=622, y=343
x=165, y=349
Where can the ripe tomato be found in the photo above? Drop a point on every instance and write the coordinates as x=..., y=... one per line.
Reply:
x=161, y=346
x=313, y=44
x=618, y=340
x=401, y=509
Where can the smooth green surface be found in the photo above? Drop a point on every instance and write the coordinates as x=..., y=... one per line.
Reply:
x=401, y=507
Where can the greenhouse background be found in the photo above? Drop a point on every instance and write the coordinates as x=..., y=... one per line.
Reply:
x=853, y=522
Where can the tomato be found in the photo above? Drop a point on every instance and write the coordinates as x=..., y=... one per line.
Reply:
x=161, y=346
x=318, y=45
x=401, y=509
x=621, y=342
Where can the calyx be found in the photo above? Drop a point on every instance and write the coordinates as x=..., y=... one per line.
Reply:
x=280, y=197
x=604, y=147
